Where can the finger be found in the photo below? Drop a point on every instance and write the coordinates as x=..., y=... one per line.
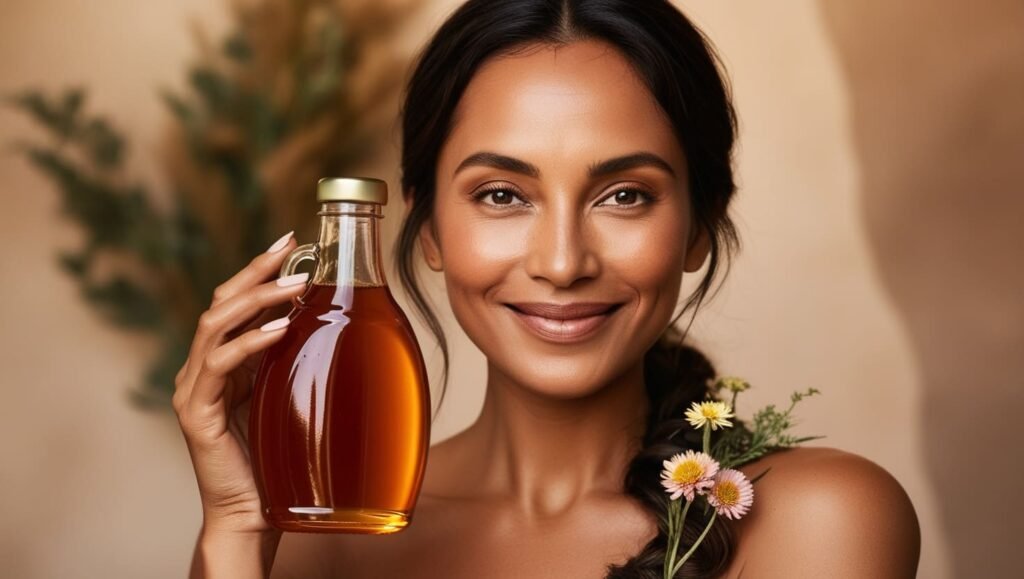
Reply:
x=211, y=383
x=261, y=268
x=262, y=317
x=229, y=315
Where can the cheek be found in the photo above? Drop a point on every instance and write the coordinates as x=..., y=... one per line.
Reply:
x=478, y=256
x=478, y=242
x=645, y=254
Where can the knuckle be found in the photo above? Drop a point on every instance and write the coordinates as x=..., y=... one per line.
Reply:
x=207, y=321
x=197, y=423
x=181, y=411
x=187, y=422
x=213, y=363
x=178, y=401
x=220, y=293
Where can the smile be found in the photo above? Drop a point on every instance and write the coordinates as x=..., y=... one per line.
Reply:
x=563, y=330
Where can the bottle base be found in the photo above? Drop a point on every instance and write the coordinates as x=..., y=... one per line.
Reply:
x=330, y=520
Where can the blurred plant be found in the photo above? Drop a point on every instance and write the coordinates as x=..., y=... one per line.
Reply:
x=296, y=91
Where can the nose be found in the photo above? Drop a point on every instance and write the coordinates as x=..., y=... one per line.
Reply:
x=561, y=250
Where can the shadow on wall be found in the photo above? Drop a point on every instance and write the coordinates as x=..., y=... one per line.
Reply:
x=937, y=105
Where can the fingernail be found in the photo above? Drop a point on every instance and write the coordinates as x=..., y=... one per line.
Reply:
x=275, y=324
x=292, y=279
x=280, y=243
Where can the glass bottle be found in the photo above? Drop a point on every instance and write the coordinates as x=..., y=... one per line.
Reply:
x=339, y=424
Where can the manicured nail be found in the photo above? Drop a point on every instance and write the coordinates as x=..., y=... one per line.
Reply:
x=275, y=324
x=280, y=243
x=292, y=279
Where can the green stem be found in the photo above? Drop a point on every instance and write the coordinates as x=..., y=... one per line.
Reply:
x=673, y=513
x=686, y=555
x=675, y=533
x=707, y=438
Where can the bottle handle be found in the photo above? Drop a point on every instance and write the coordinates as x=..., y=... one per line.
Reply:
x=299, y=254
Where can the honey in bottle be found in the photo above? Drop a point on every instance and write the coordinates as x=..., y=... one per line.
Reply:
x=339, y=424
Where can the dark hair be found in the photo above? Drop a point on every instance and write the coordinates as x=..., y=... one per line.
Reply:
x=679, y=67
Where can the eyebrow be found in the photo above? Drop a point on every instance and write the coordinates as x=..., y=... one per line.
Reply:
x=599, y=169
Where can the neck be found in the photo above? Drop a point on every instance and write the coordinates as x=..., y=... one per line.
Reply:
x=546, y=453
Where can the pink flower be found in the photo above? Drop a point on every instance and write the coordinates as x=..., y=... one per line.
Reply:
x=732, y=494
x=688, y=474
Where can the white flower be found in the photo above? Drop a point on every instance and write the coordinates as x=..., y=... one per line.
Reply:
x=709, y=412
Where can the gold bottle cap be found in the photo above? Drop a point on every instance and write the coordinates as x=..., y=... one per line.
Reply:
x=357, y=189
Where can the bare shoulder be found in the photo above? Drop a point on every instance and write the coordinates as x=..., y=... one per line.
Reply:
x=823, y=512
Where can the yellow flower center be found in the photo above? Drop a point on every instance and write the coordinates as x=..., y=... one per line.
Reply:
x=727, y=493
x=687, y=472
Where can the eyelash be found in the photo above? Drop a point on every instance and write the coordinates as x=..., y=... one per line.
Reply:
x=480, y=195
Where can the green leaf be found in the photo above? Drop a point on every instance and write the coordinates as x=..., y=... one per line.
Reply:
x=57, y=115
x=62, y=116
x=263, y=124
x=212, y=87
x=758, y=477
x=75, y=264
x=145, y=397
x=72, y=102
x=125, y=303
x=236, y=47
x=103, y=145
x=181, y=110
x=160, y=377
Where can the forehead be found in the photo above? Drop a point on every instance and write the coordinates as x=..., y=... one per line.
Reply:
x=577, y=102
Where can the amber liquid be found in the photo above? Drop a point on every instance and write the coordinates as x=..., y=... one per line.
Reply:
x=340, y=424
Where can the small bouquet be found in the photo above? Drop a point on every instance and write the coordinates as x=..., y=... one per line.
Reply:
x=709, y=476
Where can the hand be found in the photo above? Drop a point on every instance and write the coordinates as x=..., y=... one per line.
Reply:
x=213, y=387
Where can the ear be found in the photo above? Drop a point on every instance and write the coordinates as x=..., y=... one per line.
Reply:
x=431, y=247
x=697, y=251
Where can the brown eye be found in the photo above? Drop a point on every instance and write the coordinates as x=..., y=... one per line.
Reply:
x=627, y=197
x=499, y=196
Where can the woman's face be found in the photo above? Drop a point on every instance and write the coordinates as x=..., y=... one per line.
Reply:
x=562, y=182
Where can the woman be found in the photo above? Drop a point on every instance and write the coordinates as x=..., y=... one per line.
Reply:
x=566, y=164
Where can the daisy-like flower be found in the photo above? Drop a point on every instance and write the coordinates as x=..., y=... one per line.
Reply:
x=709, y=412
x=732, y=494
x=732, y=384
x=688, y=474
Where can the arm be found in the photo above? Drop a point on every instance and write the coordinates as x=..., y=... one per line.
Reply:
x=212, y=390
x=827, y=513
x=232, y=554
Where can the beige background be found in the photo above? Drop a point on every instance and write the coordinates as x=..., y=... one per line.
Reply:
x=882, y=174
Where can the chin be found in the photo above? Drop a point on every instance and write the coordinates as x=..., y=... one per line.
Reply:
x=563, y=379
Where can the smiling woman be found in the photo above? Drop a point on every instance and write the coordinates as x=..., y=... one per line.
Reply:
x=561, y=188
x=566, y=164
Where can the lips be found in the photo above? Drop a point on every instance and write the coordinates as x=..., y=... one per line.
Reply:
x=563, y=322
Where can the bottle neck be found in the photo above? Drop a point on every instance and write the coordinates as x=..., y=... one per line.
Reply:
x=349, y=245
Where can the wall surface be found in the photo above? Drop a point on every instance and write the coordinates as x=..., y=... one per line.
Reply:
x=881, y=180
